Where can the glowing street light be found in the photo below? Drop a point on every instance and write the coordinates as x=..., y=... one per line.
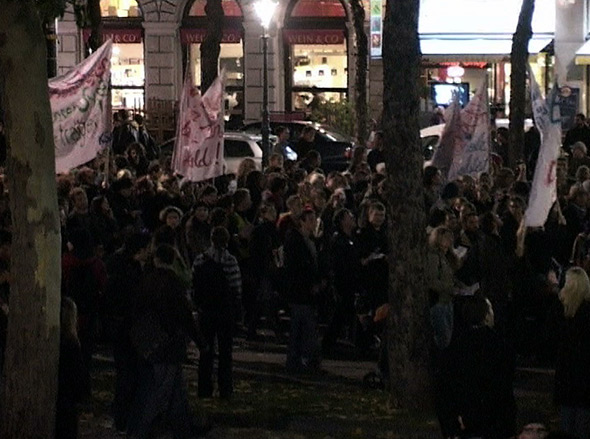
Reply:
x=265, y=10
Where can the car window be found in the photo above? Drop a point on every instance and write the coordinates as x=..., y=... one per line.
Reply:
x=253, y=128
x=333, y=135
x=236, y=148
x=429, y=144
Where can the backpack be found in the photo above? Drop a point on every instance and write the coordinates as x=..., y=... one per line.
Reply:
x=82, y=287
x=211, y=288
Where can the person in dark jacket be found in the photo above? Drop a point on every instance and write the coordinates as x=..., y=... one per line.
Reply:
x=125, y=272
x=73, y=382
x=161, y=393
x=346, y=265
x=480, y=369
x=303, y=285
x=572, y=377
x=264, y=248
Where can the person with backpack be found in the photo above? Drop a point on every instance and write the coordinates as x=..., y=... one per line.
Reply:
x=217, y=294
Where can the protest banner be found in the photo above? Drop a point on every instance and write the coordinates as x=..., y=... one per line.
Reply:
x=81, y=110
x=548, y=120
x=198, y=153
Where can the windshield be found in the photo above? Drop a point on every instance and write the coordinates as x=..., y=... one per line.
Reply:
x=332, y=134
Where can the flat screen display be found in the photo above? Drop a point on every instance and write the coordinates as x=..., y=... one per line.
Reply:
x=442, y=93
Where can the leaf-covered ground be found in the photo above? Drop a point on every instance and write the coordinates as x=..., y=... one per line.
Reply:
x=271, y=404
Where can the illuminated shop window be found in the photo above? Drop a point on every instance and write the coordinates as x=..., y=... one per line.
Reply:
x=230, y=8
x=315, y=39
x=128, y=76
x=120, y=8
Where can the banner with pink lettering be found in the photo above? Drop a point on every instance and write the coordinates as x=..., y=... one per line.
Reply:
x=548, y=120
x=81, y=110
x=198, y=153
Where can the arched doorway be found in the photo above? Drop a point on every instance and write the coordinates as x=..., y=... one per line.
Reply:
x=231, y=56
x=316, y=51
x=122, y=22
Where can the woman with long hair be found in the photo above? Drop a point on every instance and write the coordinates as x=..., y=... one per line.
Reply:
x=572, y=380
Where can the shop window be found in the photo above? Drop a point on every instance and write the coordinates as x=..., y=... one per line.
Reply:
x=127, y=76
x=230, y=8
x=321, y=8
x=120, y=8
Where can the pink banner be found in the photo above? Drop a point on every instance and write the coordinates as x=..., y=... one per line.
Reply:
x=81, y=110
x=308, y=36
x=198, y=153
x=196, y=36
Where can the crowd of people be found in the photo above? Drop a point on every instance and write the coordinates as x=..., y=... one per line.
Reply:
x=151, y=261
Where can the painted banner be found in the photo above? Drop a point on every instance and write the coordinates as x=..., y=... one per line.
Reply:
x=569, y=100
x=81, y=110
x=548, y=120
x=464, y=147
x=198, y=154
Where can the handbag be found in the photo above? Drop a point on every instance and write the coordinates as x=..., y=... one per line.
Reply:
x=148, y=337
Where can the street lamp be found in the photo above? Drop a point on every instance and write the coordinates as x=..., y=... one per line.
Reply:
x=265, y=9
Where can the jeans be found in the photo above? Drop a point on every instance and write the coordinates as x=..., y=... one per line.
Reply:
x=576, y=421
x=303, y=347
x=216, y=325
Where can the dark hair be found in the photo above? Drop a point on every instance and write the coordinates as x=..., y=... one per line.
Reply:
x=280, y=129
x=136, y=242
x=475, y=310
x=488, y=223
x=437, y=217
x=451, y=190
x=218, y=217
x=219, y=237
x=429, y=174
x=339, y=215
x=166, y=254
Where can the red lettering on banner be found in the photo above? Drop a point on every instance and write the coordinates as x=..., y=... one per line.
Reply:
x=119, y=36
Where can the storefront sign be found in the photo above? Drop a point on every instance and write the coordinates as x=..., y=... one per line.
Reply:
x=376, y=28
x=308, y=36
x=197, y=36
x=569, y=100
x=119, y=36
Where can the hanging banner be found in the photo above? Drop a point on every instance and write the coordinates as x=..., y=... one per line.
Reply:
x=81, y=110
x=464, y=147
x=198, y=153
x=548, y=120
x=376, y=28
x=569, y=100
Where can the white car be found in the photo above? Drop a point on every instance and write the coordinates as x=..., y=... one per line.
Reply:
x=430, y=137
x=239, y=145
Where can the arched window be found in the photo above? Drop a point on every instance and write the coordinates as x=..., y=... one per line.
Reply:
x=121, y=22
x=315, y=38
x=231, y=56
x=119, y=8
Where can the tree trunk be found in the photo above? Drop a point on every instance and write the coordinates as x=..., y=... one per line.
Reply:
x=211, y=45
x=95, y=20
x=408, y=325
x=362, y=47
x=518, y=60
x=27, y=401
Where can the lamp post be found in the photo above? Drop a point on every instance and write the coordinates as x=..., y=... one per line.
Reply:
x=265, y=10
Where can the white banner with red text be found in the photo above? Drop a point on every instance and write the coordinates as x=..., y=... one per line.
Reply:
x=548, y=120
x=198, y=153
x=81, y=110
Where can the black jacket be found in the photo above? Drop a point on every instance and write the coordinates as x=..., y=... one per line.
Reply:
x=346, y=265
x=572, y=374
x=301, y=269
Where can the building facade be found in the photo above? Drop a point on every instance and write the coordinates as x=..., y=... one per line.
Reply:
x=312, y=49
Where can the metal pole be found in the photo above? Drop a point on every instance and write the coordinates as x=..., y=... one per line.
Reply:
x=265, y=115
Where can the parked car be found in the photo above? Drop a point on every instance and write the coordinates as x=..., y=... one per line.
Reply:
x=236, y=147
x=334, y=147
x=430, y=137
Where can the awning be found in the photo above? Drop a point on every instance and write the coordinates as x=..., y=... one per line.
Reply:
x=583, y=54
x=474, y=49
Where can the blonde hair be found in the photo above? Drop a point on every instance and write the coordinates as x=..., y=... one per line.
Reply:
x=69, y=319
x=575, y=291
